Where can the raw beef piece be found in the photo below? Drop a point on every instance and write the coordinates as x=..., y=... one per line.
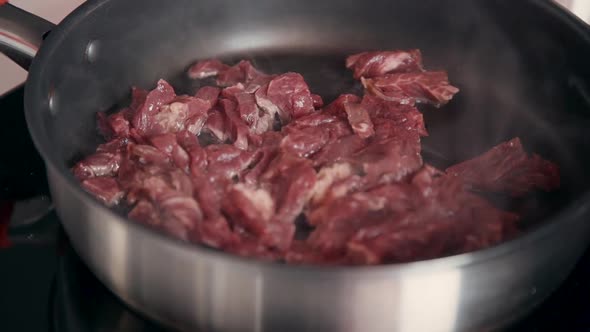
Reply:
x=318, y=102
x=145, y=212
x=238, y=130
x=257, y=120
x=138, y=97
x=183, y=112
x=232, y=91
x=147, y=154
x=206, y=68
x=227, y=161
x=508, y=168
x=313, y=120
x=161, y=95
x=243, y=72
x=337, y=106
x=326, y=177
x=105, y=189
x=215, y=233
x=117, y=145
x=278, y=236
x=339, y=150
x=249, y=207
x=359, y=120
x=390, y=118
x=196, y=154
x=304, y=142
x=98, y=164
x=267, y=152
x=175, y=215
x=286, y=95
x=215, y=127
x=112, y=126
x=209, y=192
x=373, y=64
x=168, y=144
x=389, y=160
x=442, y=219
x=291, y=181
x=345, y=186
x=409, y=88
x=208, y=94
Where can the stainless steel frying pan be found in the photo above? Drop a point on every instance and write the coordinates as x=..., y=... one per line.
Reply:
x=523, y=68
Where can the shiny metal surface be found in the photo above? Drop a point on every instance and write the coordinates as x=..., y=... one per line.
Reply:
x=190, y=287
x=21, y=34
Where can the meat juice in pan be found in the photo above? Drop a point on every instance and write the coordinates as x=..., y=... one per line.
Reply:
x=257, y=165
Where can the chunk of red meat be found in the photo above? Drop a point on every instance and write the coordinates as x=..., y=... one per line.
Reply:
x=257, y=120
x=286, y=95
x=434, y=230
x=243, y=72
x=183, y=112
x=508, y=168
x=264, y=156
x=372, y=64
x=390, y=118
x=238, y=130
x=340, y=219
x=304, y=142
x=145, y=212
x=144, y=116
x=337, y=106
x=168, y=144
x=339, y=150
x=227, y=161
x=208, y=94
x=113, y=126
x=409, y=88
x=232, y=91
x=97, y=165
x=345, y=186
x=389, y=160
x=326, y=177
x=278, y=236
x=138, y=97
x=313, y=120
x=176, y=214
x=147, y=154
x=291, y=181
x=106, y=189
x=116, y=145
x=359, y=120
x=216, y=126
x=215, y=233
x=181, y=208
x=250, y=208
x=196, y=154
x=318, y=102
x=206, y=68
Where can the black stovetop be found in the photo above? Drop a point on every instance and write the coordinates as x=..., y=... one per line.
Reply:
x=45, y=286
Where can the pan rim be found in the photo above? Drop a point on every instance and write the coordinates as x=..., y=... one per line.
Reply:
x=33, y=93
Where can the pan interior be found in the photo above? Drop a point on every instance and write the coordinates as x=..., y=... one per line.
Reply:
x=519, y=75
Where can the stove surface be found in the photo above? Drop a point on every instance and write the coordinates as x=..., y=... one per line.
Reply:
x=45, y=286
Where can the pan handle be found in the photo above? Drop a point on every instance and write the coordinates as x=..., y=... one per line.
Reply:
x=21, y=33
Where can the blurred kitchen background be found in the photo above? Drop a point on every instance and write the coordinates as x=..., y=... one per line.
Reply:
x=55, y=10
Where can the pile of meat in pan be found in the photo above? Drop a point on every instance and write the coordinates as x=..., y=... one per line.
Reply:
x=259, y=166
